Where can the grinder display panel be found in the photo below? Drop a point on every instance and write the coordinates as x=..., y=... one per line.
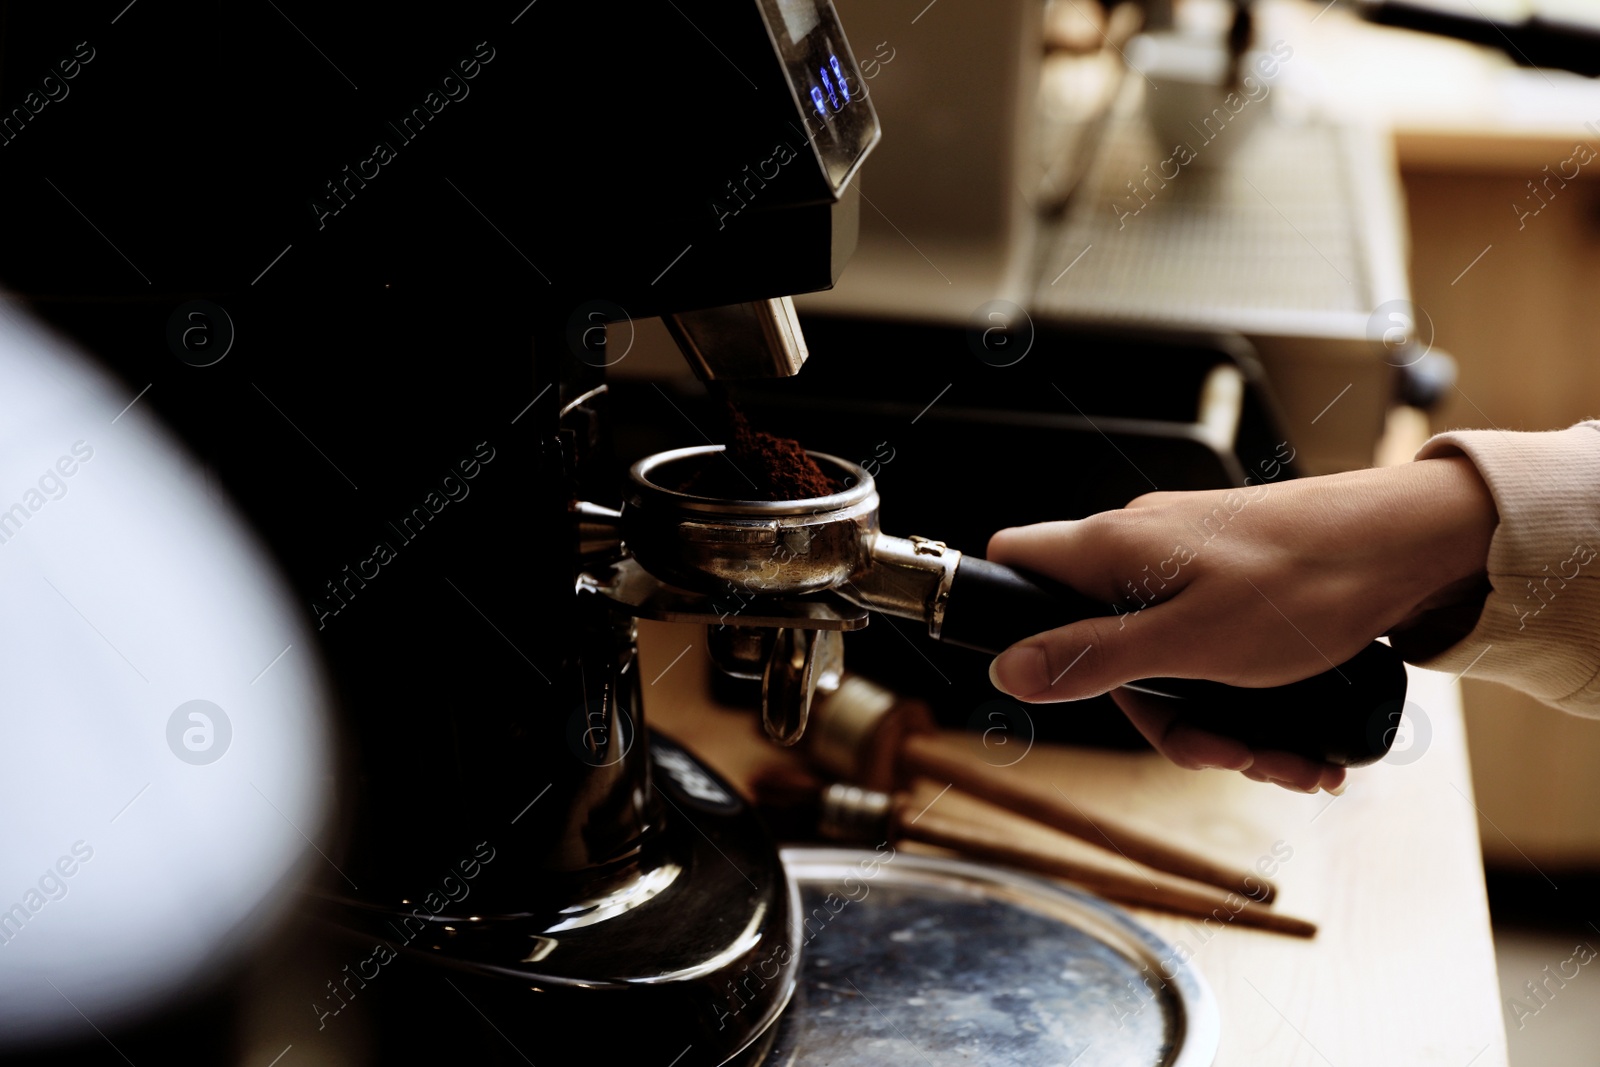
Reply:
x=840, y=123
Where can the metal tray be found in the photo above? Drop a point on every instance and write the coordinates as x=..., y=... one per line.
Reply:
x=914, y=959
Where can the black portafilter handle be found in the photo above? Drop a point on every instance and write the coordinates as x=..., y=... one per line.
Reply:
x=1347, y=716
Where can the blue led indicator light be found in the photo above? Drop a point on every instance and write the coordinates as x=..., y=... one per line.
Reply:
x=816, y=101
x=827, y=83
x=844, y=87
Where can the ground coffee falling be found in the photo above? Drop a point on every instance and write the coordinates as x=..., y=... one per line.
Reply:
x=763, y=466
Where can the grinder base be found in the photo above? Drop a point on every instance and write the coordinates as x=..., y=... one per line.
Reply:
x=697, y=963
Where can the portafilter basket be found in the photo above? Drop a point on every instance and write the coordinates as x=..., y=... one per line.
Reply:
x=771, y=547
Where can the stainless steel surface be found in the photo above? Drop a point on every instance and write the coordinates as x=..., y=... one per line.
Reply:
x=740, y=651
x=583, y=398
x=830, y=661
x=599, y=529
x=1198, y=240
x=907, y=577
x=635, y=590
x=802, y=664
x=789, y=683
x=1297, y=240
x=785, y=547
x=751, y=554
x=750, y=547
x=759, y=339
x=917, y=959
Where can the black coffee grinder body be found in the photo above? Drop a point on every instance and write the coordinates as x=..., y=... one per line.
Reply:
x=422, y=236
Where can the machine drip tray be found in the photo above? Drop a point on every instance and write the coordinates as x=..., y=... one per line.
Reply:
x=911, y=958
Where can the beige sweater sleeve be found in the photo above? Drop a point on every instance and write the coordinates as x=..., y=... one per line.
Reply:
x=1540, y=627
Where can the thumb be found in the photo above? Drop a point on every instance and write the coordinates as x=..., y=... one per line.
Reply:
x=1095, y=656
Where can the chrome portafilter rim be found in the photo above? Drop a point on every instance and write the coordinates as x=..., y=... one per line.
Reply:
x=768, y=547
x=646, y=491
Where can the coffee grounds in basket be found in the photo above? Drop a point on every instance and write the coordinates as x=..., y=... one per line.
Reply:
x=758, y=466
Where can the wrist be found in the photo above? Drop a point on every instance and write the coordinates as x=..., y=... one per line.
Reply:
x=1453, y=517
x=1471, y=515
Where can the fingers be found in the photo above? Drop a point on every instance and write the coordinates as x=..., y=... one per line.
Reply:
x=1072, y=552
x=1197, y=749
x=1096, y=655
x=1188, y=747
x=1036, y=543
x=1100, y=557
x=1117, y=557
x=1298, y=773
x=1152, y=633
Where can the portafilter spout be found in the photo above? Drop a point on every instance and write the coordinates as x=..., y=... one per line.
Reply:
x=780, y=555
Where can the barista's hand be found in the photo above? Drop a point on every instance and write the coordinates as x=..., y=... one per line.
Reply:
x=1253, y=587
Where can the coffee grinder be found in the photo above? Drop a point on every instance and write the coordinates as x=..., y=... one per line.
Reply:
x=655, y=920
x=390, y=219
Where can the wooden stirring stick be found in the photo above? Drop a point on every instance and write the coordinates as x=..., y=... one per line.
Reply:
x=862, y=815
x=866, y=734
x=922, y=754
x=1160, y=891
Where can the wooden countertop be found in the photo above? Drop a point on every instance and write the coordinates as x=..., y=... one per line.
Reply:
x=1402, y=971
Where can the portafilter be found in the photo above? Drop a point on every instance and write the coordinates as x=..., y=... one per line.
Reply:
x=778, y=581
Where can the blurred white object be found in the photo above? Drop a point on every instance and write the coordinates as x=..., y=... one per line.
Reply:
x=167, y=726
